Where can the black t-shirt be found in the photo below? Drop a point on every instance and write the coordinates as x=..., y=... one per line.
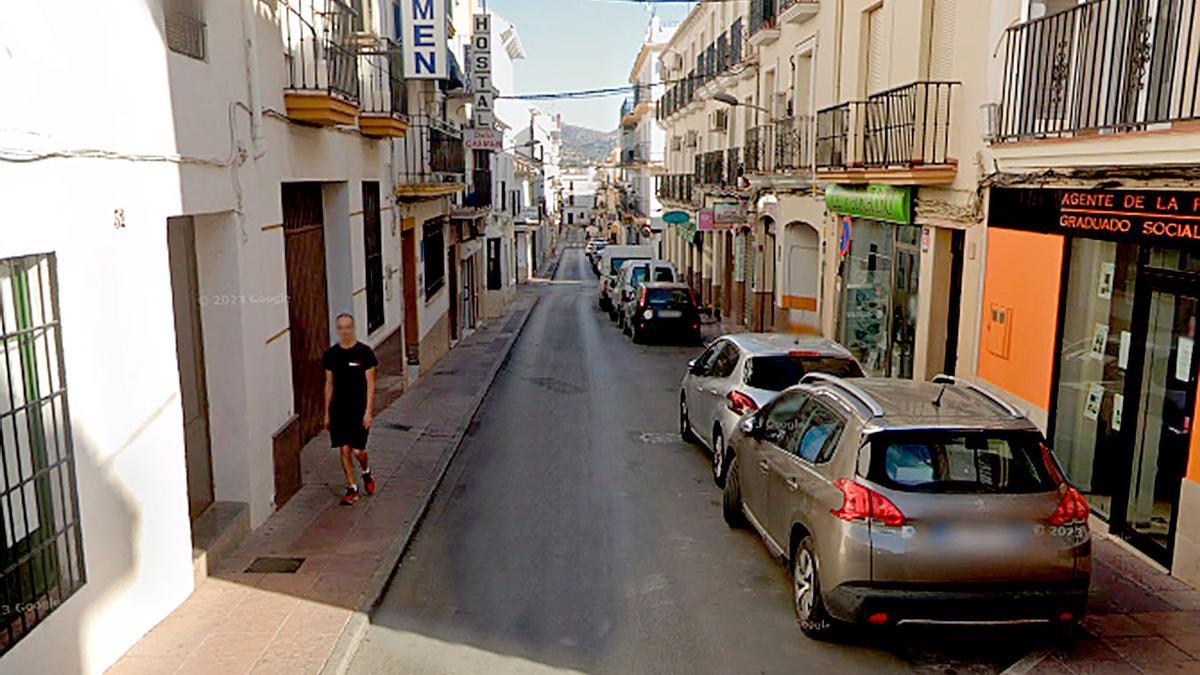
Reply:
x=349, y=368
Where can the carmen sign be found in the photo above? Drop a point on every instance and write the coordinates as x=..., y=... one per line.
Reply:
x=1156, y=217
x=878, y=202
x=424, y=39
x=483, y=139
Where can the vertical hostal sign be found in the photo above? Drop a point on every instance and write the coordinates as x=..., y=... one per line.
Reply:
x=424, y=39
x=483, y=99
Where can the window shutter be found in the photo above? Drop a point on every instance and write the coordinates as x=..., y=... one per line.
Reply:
x=877, y=51
x=941, y=40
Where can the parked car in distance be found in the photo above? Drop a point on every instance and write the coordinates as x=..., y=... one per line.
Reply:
x=894, y=501
x=738, y=374
x=633, y=273
x=596, y=247
x=611, y=260
x=664, y=310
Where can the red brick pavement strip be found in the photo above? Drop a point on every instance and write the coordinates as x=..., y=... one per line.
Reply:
x=1139, y=620
x=312, y=621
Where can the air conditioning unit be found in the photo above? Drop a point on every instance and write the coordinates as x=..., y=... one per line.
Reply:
x=780, y=103
x=692, y=139
x=718, y=120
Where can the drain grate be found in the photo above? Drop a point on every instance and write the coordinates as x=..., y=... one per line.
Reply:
x=396, y=426
x=268, y=565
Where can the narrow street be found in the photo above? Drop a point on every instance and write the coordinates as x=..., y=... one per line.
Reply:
x=576, y=531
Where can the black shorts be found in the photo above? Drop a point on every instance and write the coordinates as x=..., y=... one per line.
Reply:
x=343, y=433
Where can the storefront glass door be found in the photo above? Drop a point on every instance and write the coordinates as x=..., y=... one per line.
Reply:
x=878, y=320
x=1163, y=410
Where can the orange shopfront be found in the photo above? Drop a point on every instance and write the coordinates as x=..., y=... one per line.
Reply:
x=1090, y=309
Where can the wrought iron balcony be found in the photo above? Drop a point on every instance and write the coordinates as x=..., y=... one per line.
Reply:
x=793, y=140
x=764, y=22
x=758, y=149
x=431, y=159
x=906, y=127
x=733, y=166
x=909, y=125
x=1105, y=66
x=384, y=103
x=797, y=11
x=675, y=187
x=626, y=108
x=321, y=60
x=479, y=190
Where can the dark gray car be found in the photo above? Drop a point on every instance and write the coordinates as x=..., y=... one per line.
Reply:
x=895, y=501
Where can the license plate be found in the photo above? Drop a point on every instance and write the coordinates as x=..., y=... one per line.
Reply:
x=670, y=314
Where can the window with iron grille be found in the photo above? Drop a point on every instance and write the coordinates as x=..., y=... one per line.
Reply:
x=373, y=243
x=185, y=27
x=41, y=555
x=433, y=255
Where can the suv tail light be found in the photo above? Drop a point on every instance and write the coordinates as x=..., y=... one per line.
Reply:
x=642, y=297
x=862, y=503
x=741, y=403
x=1072, y=508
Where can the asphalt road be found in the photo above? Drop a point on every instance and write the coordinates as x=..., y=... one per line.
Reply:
x=576, y=531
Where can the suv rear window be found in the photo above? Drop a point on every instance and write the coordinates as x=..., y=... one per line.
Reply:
x=663, y=274
x=776, y=373
x=638, y=275
x=962, y=462
x=668, y=297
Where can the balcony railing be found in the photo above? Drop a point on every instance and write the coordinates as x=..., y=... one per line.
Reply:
x=758, y=148
x=793, y=139
x=479, y=190
x=636, y=154
x=382, y=87
x=763, y=15
x=904, y=127
x=908, y=126
x=712, y=168
x=835, y=129
x=432, y=152
x=1105, y=66
x=626, y=108
x=733, y=166
x=318, y=43
x=676, y=187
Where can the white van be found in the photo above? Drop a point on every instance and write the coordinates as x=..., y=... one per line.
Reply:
x=610, y=266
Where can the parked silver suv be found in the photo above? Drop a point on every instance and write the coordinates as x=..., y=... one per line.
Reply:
x=738, y=374
x=895, y=501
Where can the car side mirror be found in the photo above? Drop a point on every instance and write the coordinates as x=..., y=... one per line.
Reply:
x=694, y=366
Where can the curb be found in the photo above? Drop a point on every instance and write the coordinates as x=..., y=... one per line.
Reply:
x=360, y=620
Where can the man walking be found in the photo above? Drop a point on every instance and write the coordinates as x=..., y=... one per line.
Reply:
x=350, y=403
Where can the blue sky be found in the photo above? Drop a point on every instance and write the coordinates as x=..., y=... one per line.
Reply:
x=579, y=44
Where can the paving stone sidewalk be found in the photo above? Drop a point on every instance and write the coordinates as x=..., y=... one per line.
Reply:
x=1140, y=620
x=310, y=621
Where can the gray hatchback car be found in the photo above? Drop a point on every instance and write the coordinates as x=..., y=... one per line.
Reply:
x=894, y=501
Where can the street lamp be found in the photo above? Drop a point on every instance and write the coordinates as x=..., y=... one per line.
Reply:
x=729, y=100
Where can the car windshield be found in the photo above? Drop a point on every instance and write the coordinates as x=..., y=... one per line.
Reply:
x=668, y=297
x=776, y=373
x=962, y=462
x=615, y=265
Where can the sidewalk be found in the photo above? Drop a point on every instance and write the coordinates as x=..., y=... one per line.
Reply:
x=1139, y=620
x=311, y=619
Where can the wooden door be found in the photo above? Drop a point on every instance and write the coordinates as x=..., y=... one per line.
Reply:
x=308, y=301
x=408, y=257
x=189, y=349
x=452, y=273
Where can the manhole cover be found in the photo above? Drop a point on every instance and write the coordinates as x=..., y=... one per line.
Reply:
x=396, y=426
x=268, y=565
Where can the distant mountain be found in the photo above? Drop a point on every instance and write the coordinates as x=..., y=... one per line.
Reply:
x=582, y=146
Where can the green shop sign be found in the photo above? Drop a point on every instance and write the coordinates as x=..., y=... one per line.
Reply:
x=686, y=231
x=879, y=202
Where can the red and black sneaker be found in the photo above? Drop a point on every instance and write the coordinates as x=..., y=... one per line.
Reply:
x=369, y=483
x=350, y=497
